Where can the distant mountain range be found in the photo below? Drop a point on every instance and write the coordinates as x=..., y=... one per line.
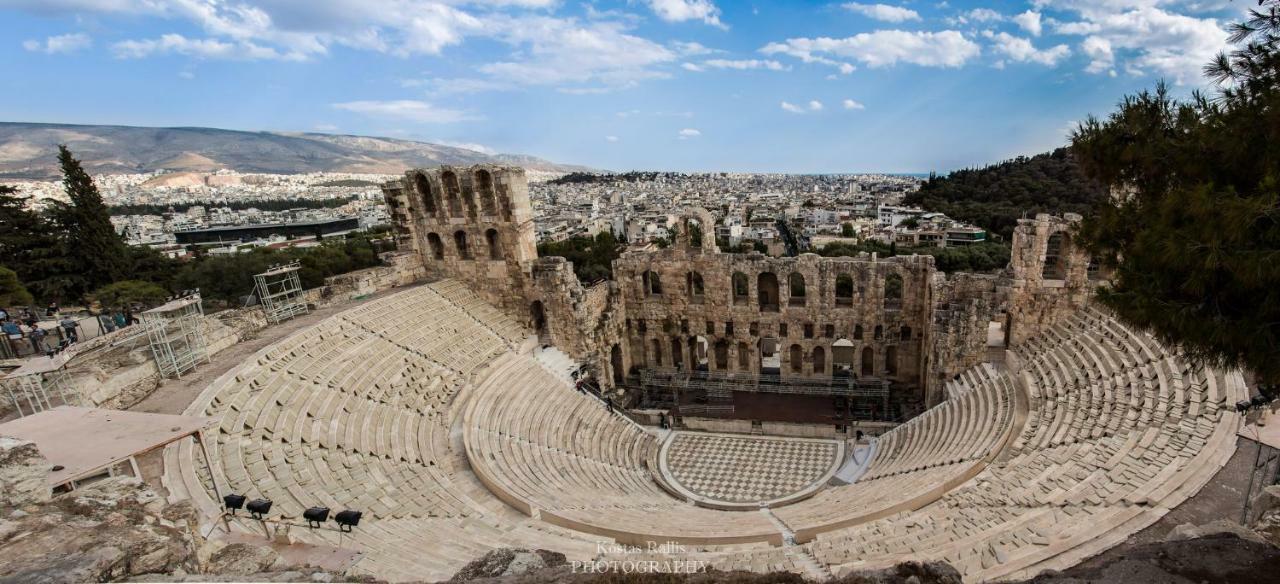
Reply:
x=30, y=151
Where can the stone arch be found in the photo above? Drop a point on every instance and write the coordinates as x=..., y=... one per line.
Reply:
x=436, y=245
x=842, y=358
x=423, y=186
x=819, y=361
x=844, y=290
x=460, y=241
x=893, y=291
x=740, y=284
x=770, y=357
x=539, y=316
x=1055, y=256
x=767, y=291
x=796, y=286
x=484, y=190
x=495, y=245
x=693, y=284
x=453, y=193
x=868, y=361
x=722, y=355
x=796, y=356
x=891, y=360
x=699, y=352
x=615, y=363
x=651, y=282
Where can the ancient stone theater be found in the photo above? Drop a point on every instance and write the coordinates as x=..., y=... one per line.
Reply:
x=810, y=414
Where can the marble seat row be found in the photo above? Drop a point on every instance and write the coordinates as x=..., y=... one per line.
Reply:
x=352, y=413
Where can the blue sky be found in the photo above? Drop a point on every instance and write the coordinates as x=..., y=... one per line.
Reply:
x=761, y=85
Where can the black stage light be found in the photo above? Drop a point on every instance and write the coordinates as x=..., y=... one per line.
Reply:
x=259, y=507
x=316, y=515
x=233, y=502
x=347, y=519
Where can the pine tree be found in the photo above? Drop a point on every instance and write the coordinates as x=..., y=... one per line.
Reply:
x=29, y=248
x=98, y=252
x=1194, y=230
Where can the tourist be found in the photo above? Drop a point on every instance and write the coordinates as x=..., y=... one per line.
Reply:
x=37, y=335
x=69, y=326
x=4, y=314
x=107, y=323
x=608, y=404
x=52, y=310
x=119, y=319
x=13, y=332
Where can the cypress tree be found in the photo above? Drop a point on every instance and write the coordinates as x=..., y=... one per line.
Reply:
x=98, y=252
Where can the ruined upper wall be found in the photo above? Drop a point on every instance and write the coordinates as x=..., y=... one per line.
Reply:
x=474, y=224
x=1050, y=276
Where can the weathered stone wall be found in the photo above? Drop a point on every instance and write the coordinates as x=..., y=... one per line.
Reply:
x=966, y=305
x=474, y=224
x=24, y=474
x=1040, y=296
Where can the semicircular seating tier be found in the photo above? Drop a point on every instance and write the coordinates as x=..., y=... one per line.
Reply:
x=421, y=409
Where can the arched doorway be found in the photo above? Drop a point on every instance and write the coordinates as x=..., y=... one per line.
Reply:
x=797, y=359
x=868, y=361
x=744, y=357
x=699, y=347
x=677, y=353
x=767, y=291
x=657, y=352
x=891, y=360
x=842, y=358
x=424, y=189
x=819, y=361
x=615, y=362
x=539, y=317
x=722, y=355
x=770, y=356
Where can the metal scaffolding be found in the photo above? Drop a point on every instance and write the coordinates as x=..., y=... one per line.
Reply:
x=41, y=384
x=176, y=335
x=280, y=291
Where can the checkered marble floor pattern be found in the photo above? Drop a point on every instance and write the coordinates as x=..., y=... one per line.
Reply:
x=747, y=469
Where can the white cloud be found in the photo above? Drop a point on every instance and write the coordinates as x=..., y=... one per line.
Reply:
x=199, y=48
x=692, y=67
x=1022, y=50
x=692, y=49
x=1141, y=36
x=60, y=44
x=682, y=10
x=982, y=15
x=815, y=105
x=791, y=107
x=553, y=51
x=610, y=138
x=884, y=48
x=688, y=133
x=1030, y=21
x=474, y=147
x=744, y=64
x=849, y=104
x=883, y=12
x=455, y=86
x=408, y=110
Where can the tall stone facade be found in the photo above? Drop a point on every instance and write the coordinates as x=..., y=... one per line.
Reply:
x=691, y=306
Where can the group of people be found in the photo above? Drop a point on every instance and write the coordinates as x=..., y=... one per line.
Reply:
x=26, y=327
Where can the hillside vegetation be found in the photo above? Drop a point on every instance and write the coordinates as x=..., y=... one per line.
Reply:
x=996, y=196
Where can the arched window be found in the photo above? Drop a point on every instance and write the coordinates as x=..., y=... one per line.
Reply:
x=495, y=247
x=693, y=285
x=740, y=293
x=797, y=358
x=893, y=291
x=879, y=334
x=484, y=189
x=767, y=291
x=437, y=246
x=460, y=240
x=796, y=281
x=744, y=357
x=819, y=360
x=891, y=360
x=722, y=355
x=857, y=332
x=868, y=361
x=1055, y=257
x=906, y=333
x=844, y=290
x=424, y=190
x=452, y=193
x=651, y=283
x=842, y=358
